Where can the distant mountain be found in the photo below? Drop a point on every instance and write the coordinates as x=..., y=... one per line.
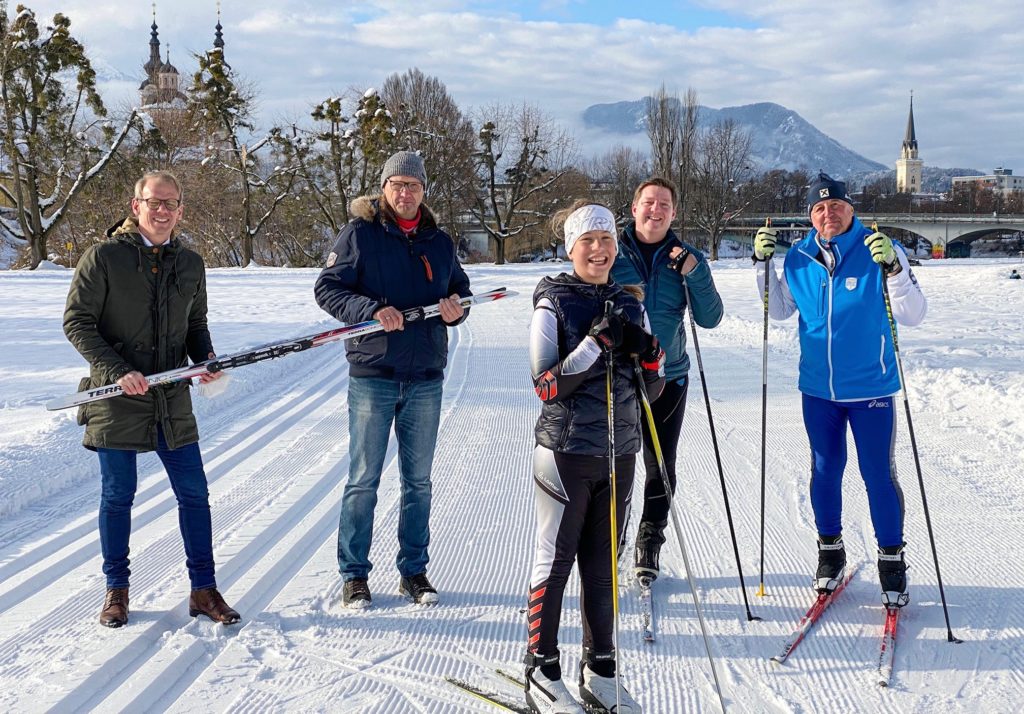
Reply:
x=781, y=138
x=106, y=72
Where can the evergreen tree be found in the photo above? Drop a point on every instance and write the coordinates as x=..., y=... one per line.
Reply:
x=52, y=128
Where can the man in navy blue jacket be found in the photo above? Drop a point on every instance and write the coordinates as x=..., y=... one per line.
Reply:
x=674, y=276
x=390, y=258
x=848, y=375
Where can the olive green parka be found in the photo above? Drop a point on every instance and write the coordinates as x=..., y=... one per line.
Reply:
x=138, y=307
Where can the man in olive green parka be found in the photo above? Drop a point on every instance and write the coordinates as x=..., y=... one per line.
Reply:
x=137, y=305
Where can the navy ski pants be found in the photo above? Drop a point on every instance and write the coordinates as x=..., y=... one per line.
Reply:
x=873, y=423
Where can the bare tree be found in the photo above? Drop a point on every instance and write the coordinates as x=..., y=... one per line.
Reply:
x=523, y=155
x=672, y=131
x=428, y=121
x=219, y=105
x=684, y=179
x=617, y=173
x=720, y=165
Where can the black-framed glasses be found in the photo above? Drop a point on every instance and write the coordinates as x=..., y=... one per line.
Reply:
x=171, y=204
x=413, y=187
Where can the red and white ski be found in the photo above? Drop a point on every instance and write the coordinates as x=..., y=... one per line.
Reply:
x=813, y=615
x=271, y=350
x=888, y=648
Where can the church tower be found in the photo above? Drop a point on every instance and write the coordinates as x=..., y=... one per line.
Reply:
x=161, y=89
x=908, y=166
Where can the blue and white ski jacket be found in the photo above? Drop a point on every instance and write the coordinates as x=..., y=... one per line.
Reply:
x=846, y=350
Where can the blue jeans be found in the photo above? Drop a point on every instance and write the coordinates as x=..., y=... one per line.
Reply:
x=415, y=409
x=873, y=423
x=188, y=481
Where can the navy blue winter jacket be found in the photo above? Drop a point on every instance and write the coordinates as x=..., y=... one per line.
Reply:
x=665, y=298
x=372, y=265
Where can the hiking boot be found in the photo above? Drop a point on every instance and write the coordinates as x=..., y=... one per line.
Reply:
x=546, y=693
x=598, y=685
x=892, y=574
x=115, y=608
x=419, y=589
x=831, y=563
x=649, y=539
x=356, y=594
x=209, y=602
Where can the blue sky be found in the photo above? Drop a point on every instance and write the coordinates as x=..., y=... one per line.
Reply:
x=688, y=16
x=847, y=68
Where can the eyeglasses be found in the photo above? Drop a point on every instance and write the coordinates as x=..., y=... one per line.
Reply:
x=413, y=187
x=171, y=204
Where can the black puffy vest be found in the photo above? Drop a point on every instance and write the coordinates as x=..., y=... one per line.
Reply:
x=579, y=424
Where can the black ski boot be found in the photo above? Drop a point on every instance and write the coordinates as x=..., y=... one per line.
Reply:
x=892, y=573
x=649, y=539
x=831, y=563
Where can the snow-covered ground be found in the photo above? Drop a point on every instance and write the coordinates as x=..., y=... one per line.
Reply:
x=276, y=451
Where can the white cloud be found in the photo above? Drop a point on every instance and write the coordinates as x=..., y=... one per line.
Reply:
x=848, y=69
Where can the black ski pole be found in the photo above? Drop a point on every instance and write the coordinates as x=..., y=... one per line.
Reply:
x=913, y=447
x=656, y=445
x=718, y=455
x=609, y=362
x=764, y=406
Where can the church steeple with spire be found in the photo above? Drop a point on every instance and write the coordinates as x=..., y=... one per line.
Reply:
x=218, y=36
x=909, y=166
x=162, y=86
x=154, y=48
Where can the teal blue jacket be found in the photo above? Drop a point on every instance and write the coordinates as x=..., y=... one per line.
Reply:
x=665, y=296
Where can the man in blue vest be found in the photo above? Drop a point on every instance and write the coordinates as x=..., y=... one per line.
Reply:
x=848, y=375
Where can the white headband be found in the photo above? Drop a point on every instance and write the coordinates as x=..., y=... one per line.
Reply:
x=585, y=219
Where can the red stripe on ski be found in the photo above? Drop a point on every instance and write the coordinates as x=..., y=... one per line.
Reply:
x=813, y=614
x=887, y=652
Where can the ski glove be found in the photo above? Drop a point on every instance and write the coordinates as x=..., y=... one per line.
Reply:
x=638, y=341
x=607, y=330
x=679, y=261
x=764, y=243
x=882, y=251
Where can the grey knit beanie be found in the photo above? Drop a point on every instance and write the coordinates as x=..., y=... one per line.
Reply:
x=404, y=163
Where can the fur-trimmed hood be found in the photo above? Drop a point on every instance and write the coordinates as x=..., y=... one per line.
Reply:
x=371, y=208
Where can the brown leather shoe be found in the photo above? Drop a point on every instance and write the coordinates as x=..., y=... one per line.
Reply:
x=115, y=608
x=210, y=602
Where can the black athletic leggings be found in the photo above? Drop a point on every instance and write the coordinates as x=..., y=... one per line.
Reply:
x=572, y=496
x=668, y=412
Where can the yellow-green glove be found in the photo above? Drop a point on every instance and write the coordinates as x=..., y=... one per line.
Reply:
x=882, y=251
x=764, y=243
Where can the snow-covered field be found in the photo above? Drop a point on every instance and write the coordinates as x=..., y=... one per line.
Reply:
x=276, y=451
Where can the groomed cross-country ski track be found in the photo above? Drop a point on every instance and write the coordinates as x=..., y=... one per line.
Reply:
x=276, y=446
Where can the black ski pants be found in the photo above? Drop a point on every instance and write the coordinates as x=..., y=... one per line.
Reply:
x=572, y=498
x=668, y=411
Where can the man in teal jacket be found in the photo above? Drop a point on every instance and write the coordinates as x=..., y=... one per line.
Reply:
x=674, y=276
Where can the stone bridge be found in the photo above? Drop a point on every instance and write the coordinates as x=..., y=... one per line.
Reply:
x=935, y=228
